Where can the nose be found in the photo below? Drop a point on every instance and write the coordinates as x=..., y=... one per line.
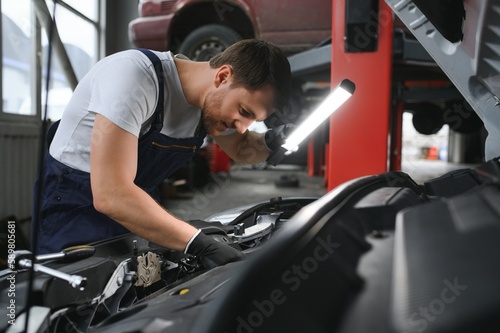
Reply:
x=242, y=124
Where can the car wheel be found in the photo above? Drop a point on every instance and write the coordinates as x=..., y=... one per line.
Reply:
x=427, y=117
x=207, y=41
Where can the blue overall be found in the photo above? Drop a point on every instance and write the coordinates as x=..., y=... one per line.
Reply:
x=67, y=214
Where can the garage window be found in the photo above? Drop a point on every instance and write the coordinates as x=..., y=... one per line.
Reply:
x=24, y=35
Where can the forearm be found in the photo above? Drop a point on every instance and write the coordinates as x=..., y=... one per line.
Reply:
x=252, y=149
x=113, y=168
x=247, y=148
x=137, y=211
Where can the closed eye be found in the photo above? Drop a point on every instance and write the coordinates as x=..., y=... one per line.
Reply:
x=246, y=113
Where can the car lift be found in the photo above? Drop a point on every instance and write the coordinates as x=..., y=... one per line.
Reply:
x=364, y=136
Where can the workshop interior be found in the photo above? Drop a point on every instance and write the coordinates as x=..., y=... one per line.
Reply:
x=377, y=210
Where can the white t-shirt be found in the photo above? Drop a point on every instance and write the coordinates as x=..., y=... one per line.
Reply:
x=123, y=87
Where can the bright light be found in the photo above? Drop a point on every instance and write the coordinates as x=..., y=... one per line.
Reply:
x=331, y=103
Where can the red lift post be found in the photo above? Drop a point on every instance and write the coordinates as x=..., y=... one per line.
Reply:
x=359, y=130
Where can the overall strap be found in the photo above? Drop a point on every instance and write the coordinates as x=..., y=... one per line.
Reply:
x=52, y=132
x=159, y=73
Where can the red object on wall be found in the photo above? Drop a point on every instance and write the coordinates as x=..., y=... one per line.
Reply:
x=218, y=159
x=433, y=153
x=359, y=129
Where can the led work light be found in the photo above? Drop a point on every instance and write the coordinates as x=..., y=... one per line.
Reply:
x=330, y=104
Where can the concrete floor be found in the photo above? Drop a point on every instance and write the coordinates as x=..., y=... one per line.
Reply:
x=241, y=186
x=244, y=185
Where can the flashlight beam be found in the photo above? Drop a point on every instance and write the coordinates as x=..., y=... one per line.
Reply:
x=329, y=105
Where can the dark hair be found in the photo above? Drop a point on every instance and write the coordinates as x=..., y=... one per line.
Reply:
x=256, y=64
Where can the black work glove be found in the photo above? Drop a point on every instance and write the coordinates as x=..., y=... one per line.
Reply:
x=274, y=138
x=212, y=253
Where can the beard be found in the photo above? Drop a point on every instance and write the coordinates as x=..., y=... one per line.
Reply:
x=211, y=112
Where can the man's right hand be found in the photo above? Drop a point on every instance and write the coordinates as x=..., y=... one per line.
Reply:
x=275, y=137
x=212, y=253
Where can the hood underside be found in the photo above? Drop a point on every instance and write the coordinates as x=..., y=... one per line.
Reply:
x=463, y=38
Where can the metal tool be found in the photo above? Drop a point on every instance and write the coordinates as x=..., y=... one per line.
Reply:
x=69, y=254
x=76, y=281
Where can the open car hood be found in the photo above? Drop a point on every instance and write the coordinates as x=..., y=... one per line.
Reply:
x=376, y=254
x=463, y=37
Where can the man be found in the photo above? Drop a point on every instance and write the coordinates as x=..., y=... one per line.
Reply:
x=135, y=118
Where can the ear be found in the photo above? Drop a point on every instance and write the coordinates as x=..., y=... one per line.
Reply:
x=223, y=75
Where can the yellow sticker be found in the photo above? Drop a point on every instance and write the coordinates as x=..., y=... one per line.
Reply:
x=183, y=291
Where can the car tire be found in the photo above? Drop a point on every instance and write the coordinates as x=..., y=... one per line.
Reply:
x=205, y=42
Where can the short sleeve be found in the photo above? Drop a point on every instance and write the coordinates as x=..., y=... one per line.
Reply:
x=124, y=90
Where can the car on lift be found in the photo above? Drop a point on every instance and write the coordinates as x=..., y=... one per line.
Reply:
x=200, y=29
